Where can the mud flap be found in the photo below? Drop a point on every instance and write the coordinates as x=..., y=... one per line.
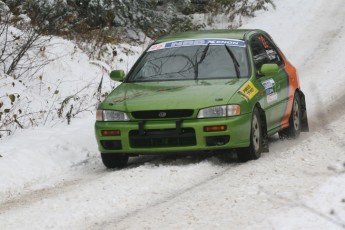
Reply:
x=304, y=117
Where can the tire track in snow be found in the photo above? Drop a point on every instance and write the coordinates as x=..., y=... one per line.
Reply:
x=55, y=197
x=29, y=196
x=109, y=221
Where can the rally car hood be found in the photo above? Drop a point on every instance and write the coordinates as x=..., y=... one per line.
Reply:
x=131, y=97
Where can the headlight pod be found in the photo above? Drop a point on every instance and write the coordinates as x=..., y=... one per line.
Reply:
x=111, y=115
x=220, y=111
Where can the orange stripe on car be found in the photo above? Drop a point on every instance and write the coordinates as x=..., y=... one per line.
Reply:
x=293, y=85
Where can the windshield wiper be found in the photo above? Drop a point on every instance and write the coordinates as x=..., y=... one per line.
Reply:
x=204, y=52
x=203, y=56
x=234, y=60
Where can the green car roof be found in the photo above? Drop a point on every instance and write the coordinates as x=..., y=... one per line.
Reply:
x=230, y=34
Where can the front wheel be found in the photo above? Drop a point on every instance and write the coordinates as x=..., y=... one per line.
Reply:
x=114, y=160
x=294, y=129
x=254, y=150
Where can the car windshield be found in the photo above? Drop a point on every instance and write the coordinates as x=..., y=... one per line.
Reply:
x=196, y=62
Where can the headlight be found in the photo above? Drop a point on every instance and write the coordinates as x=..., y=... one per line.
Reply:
x=220, y=111
x=111, y=115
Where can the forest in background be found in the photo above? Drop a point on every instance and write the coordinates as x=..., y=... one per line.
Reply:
x=123, y=20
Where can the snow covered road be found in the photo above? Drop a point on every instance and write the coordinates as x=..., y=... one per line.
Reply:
x=51, y=178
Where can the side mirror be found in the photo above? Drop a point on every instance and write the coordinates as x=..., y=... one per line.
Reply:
x=117, y=75
x=269, y=69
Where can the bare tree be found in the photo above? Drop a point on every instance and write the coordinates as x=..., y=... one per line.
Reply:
x=19, y=49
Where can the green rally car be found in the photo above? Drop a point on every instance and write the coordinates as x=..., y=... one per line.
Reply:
x=205, y=90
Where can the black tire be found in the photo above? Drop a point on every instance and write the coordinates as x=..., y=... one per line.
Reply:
x=254, y=150
x=295, y=120
x=114, y=160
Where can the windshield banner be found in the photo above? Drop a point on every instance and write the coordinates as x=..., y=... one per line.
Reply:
x=198, y=42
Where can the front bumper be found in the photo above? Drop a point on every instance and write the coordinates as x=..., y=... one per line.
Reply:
x=157, y=137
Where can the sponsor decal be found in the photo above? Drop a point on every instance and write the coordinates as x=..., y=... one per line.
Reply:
x=271, y=94
x=272, y=97
x=269, y=91
x=268, y=84
x=198, y=42
x=157, y=46
x=248, y=91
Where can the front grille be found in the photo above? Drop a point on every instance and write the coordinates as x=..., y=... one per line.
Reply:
x=162, y=138
x=154, y=114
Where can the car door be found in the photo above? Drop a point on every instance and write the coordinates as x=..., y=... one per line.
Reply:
x=274, y=87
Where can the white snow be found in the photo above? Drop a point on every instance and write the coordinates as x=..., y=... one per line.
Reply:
x=51, y=177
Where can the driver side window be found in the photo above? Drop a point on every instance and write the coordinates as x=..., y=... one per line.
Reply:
x=264, y=52
x=259, y=55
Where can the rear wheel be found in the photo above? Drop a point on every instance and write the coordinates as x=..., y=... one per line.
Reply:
x=294, y=129
x=114, y=160
x=254, y=150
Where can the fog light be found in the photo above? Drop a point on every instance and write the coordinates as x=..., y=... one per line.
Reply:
x=217, y=140
x=215, y=128
x=111, y=132
x=112, y=145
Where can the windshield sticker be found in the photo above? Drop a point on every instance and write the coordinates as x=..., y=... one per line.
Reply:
x=198, y=42
x=270, y=90
x=248, y=91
